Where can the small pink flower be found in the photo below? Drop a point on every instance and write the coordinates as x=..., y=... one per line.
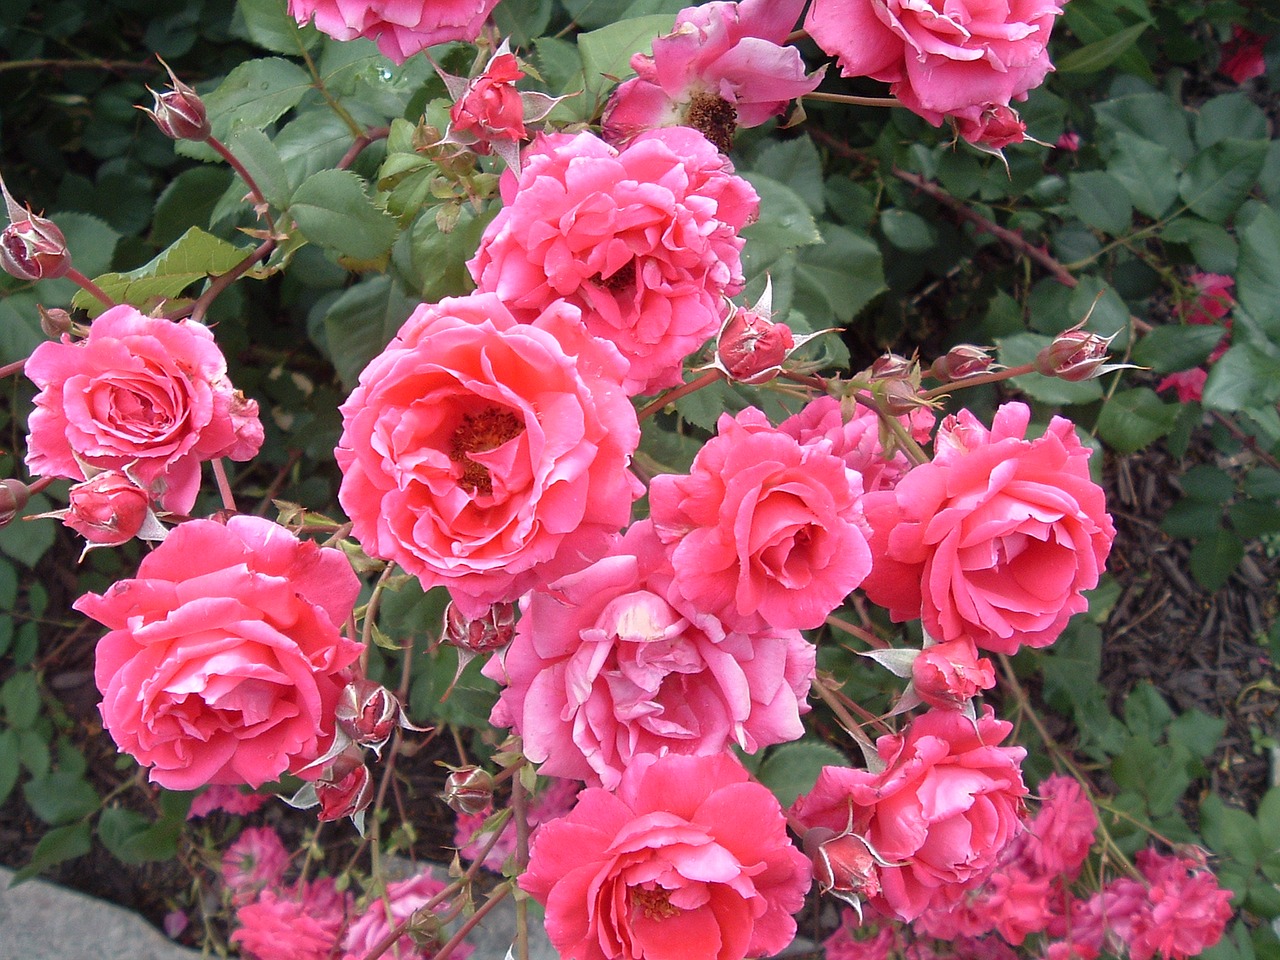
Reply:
x=1188, y=384
x=302, y=923
x=949, y=675
x=879, y=942
x=224, y=659
x=1058, y=838
x=486, y=455
x=764, y=530
x=857, y=441
x=723, y=65
x=256, y=860
x=645, y=242
x=689, y=858
x=1188, y=909
x=141, y=395
x=1213, y=299
x=1242, y=55
x=227, y=798
x=401, y=27
x=382, y=914
x=1069, y=141
x=108, y=509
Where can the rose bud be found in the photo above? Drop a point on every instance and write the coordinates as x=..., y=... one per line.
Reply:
x=995, y=127
x=491, y=106
x=468, y=790
x=961, y=361
x=54, y=323
x=493, y=631
x=751, y=346
x=13, y=497
x=33, y=248
x=347, y=797
x=1076, y=355
x=900, y=397
x=843, y=865
x=948, y=675
x=108, y=509
x=368, y=713
x=179, y=113
x=890, y=367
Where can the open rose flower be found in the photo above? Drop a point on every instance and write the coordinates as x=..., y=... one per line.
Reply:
x=961, y=58
x=941, y=811
x=141, y=395
x=764, y=531
x=689, y=858
x=224, y=659
x=401, y=27
x=643, y=241
x=603, y=670
x=996, y=539
x=487, y=455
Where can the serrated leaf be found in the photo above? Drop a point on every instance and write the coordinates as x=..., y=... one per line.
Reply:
x=132, y=838
x=1147, y=172
x=20, y=697
x=269, y=25
x=1212, y=245
x=606, y=52
x=908, y=231
x=256, y=93
x=1151, y=116
x=361, y=322
x=1101, y=201
x=785, y=220
x=332, y=210
x=843, y=274
x=597, y=13
x=1230, y=115
x=1244, y=378
x=1101, y=54
x=1132, y=419
x=792, y=768
x=1219, y=178
x=1178, y=347
x=60, y=797
x=1258, y=277
x=794, y=163
x=9, y=765
x=56, y=846
x=257, y=153
x=1214, y=558
x=28, y=542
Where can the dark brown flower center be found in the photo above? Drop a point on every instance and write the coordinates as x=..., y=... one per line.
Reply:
x=715, y=118
x=477, y=433
x=622, y=279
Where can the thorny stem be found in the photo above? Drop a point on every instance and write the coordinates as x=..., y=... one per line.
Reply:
x=976, y=381
x=80, y=280
x=472, y=921
x=95, y=64
x=520, y=811
x=247, y=177
x=224, y=485
x=855, y=101
x=9, y=369
x=371, y=611
x=671, y=396
x=362, y=141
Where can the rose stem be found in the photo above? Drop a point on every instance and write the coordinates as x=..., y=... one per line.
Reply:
x=520, y=809
x=975, y=381
x=252, y=184
x=360, y=142
x=671, y=396
x=866, y=636
x=224, y=485
x=855, y=101
x=851, y=726
x=222, y=281
x=80, y=280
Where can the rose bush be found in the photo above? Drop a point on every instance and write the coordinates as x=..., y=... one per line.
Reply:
x=688, y=858
x=224, y=660
x=400, y=27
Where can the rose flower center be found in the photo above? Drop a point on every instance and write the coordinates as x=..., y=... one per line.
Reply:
x=654, y=902
x=714, y=117
x=478, y=433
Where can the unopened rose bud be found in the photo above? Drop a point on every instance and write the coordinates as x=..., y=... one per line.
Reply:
x=997, y=126
x=368, y=713
x=491, y=106
x=493, y=631
x=890, y=367
x=961, y=361
x=107, y=509
x=843, y=865
x=54, y=323
x=900, y=397
x=33, y=248
x=468, y=790
x=13, y=497
x=179, y=113
x=346, y=797
x=948, y=675
x=751, y=346
x=1075, y=355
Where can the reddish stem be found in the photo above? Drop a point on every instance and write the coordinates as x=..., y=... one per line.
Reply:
x=80, y=280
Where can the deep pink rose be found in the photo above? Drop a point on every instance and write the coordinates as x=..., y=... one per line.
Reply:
x=690, y=858
x=994, y=126
x=491, y=107
x=949, y=675
x=764, y=530
x=302, y=922
x=141, y=394
x=723, y=65
x=996, y=539
x=224, y=660
x=401, y=27
x=603, y=670
x=487, y=455
x=107, y=509
x=947, y=802
x=960, y=57
x=644, y=241
x=1242, y=55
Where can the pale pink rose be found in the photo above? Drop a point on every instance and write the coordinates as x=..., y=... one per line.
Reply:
x=301, y=923
x=944, y=808
x=940, y=58
x=604, y=669
x=489, y=456
x=142, y=394
x=107, y=509
x=224, y=658
x=643, y=241
x=857, y=441
x=764, y=530
x=402, y=899
x=996, y=539
x=401, y=27
x=257, y=859
x=689, y=858
x=948, y=675
x=723, y=66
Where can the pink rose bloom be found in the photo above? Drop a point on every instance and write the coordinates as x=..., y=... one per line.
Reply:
x=604, y=670
x=996, y=539
x=1242, y=55
x=490, y=107
x=1188, y=384
x=689, y=858
x=857, y=441
x=224, y=660
x=230, y=800
x=1059, y=837
x=949, y=675
x=1188, y=909
x=108, y=509
x=141, y=394
x=489, y=456
x=724, y=65
x=1213, y=299
x=944, y=807
x=959, y=58
x=401, y=27
x=881, y=942
x=302, y=923
x=256, y=859
x=643, y=241
x=764, y=531
x=402, y=900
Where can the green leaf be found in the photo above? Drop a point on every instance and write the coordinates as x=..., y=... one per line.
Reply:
x=1189, y=519
x=269, y=25
x=1176, y=347
x=56, y=846
x=785, y=220
x=255, y=94
x=1146, y=713
x=361, y=322
x=1131, y=419
x=20, y=696
x=60, y=797
x=598, y=13
x=522, y=20
x=33, y=752
x=908, y=231
x=332, y=209
x=9, y=766
x=1147, y=172
x=1219, y=179
x=1151, y=116
x=1244, y=378
x=1214, y=558
x=28, y=542
x=1022, y=348
x=1212, y=246
x=839, y=277
x=1197, y=731
x=1102, y=53
x=132, y=838
x=1101, y=201
x=606, y=53
x=187, y=201
x=1207, y=484
x=792, y=768
x=1258, y=277
x=1252, y=518
x=1232, y=115
x=1230, y=831
x=794, y=163
x=257, y=153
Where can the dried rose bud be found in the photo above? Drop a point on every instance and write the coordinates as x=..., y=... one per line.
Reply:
x=55, y=322
x=468, y=790
x=751, y=346
x=179, y=113
x=493, y=631
x=890, y=367
x=1076, y=355
x=33, y=248
x=368, y=713
x=843, y=864
x=961, y=361
x=107, y=509
x=13, y=497
x=347, y=797
x=948, y=675
x=900, y=397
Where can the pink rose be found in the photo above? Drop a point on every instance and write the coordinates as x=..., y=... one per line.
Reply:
x=995, y=540
x=487, y=455
x=947, y=802
x=224, y=660
x=689, y=858
x=141, y=394
x=401, y=27
x=299, y=923
x=959, y=58
x=723, y=65
x=108, y=509
x=764, y=530
x=256, y=860
x=949, y=675
x=491, y=107
x=604, y=670
x=382, y=914
x=643, y=241
x=1242, y=55
x=992, y=127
